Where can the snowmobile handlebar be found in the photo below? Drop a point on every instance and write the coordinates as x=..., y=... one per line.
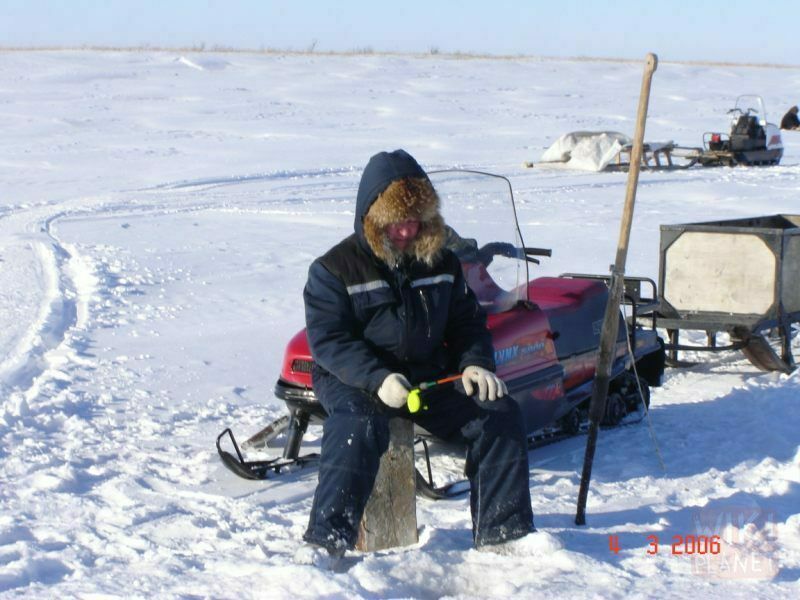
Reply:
x=538, y=251
x=531, y=252
x=487, y=253
x=746, y=112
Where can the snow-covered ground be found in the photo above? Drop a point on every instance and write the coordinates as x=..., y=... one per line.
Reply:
x=157, y=216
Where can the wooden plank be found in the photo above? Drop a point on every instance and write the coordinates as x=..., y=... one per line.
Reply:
x=390, y=518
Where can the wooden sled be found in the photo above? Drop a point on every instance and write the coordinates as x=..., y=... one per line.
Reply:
x=659, y=156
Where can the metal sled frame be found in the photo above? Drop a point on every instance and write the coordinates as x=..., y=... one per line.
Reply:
x=750, y=339
x=747, y=336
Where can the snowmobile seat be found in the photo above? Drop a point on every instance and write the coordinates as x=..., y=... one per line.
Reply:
x=747, y=134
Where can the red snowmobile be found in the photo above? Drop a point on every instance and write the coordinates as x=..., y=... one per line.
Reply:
x=546, y=332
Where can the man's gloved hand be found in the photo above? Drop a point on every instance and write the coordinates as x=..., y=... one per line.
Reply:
x=394, y=390
x=490, y=386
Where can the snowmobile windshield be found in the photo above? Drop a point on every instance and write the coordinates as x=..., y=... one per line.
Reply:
x=750, y=105
x=483, y=231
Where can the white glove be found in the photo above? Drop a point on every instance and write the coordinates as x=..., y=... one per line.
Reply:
x=490, y=386
x=394, y=390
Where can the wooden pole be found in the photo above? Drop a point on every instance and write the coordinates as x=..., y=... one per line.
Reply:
x=608, y=335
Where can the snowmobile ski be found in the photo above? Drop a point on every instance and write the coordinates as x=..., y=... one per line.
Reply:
x=258, y=469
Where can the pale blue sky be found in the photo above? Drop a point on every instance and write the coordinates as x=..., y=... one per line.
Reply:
x=725, y=30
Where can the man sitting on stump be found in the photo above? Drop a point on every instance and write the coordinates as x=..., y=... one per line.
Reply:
x=388, y=308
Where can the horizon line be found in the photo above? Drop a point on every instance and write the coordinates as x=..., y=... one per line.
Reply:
x=368, y=51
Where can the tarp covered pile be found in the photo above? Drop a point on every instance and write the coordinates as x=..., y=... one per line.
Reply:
x=586, y=150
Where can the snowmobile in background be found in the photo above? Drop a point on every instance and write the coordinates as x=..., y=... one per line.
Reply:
x=546, y=334
x=752, y=140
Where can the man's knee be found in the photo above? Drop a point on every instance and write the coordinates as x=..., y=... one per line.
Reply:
x=501, y=417
x=339, y=398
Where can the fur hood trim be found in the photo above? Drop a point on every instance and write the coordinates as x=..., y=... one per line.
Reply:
x=403, y=199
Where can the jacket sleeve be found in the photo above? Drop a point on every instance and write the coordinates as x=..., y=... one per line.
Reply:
x=466, y=334
x=336, y=345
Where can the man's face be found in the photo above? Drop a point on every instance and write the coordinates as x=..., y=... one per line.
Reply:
x=403, y=233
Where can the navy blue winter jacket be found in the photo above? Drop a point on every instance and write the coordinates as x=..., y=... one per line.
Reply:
x=365, y=319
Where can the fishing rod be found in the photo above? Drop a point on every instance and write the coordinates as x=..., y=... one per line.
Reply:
x=414, y=401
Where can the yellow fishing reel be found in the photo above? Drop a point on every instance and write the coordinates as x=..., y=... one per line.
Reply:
x=414, y=402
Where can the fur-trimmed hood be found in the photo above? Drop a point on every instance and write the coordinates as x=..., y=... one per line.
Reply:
x=395, y=188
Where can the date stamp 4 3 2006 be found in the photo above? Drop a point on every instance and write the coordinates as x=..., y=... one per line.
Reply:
x=728, y=543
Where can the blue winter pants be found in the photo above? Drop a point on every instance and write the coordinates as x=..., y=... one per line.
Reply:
x=356, y=434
